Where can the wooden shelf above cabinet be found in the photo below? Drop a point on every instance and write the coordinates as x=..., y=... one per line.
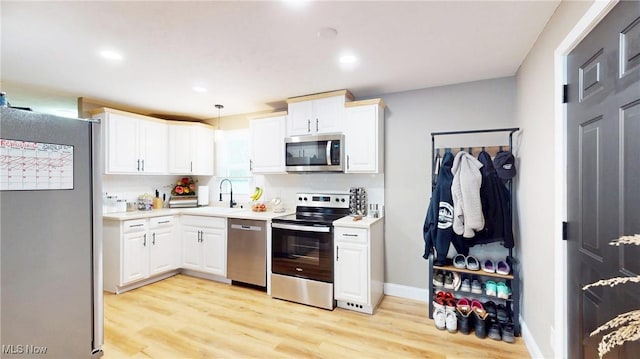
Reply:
x=476, y=272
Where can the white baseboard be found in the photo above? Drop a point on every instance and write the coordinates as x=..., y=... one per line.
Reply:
x=529, y=342
x=208, y=276
x=404, y=291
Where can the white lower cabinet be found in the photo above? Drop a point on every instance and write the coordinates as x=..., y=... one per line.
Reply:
x=204, y=244
x=359, y=267
x=138, y=249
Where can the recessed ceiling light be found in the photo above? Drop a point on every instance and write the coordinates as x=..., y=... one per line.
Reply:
x=111, y=55
x=348, y=59
x=199, y=89
x=296, y=3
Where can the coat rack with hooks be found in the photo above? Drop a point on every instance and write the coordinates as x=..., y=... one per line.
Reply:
x=436, y=157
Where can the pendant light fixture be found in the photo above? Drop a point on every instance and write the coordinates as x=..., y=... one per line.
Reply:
x=219, y=107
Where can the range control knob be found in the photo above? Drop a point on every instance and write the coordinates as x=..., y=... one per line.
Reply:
x=342, y=200
x=299, y=198
x=305, y=199
x=337, y=199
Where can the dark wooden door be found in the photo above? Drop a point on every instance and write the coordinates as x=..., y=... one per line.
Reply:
x=603, y=166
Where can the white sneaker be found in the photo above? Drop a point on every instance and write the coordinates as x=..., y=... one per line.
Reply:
x=457, y=281
x=451, y=321
x=439, y=316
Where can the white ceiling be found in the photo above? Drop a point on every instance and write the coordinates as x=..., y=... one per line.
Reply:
x=251, y=56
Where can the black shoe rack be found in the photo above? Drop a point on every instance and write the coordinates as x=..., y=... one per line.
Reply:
x=513, y=278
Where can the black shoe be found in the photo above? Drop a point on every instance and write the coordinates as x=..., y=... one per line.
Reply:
x=494, y=331
x=507, y=333
x=464, y=321
x=503, y=314
x=480, y=326
x=490, y=307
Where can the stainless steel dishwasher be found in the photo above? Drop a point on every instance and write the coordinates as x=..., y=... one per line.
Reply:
x=247, y=251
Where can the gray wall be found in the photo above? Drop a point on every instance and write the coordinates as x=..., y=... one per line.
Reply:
x=535, y=191
x=409, y=120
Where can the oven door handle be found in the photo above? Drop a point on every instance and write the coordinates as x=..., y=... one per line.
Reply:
x=296, y=227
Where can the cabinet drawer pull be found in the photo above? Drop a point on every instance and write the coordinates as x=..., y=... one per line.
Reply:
x=163, y=222
x=136, y=225
x=349, y=235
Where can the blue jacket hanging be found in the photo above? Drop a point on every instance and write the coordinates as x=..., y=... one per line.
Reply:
x=438, y=225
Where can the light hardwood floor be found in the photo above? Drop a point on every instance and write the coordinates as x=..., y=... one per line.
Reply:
x=187, y=317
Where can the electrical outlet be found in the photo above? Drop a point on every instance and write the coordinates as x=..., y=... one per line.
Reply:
x=552, y=338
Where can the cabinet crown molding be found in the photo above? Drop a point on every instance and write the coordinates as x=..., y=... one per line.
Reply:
x=373, y=101
x=346, y=93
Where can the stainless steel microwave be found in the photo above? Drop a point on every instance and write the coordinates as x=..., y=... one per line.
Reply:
x=320, y=153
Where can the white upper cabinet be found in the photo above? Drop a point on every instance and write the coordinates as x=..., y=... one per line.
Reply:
x=317, y=114
x=364, y=136
x=190, y=148
x=134, y=144
x=153, y=146
x=267, y=143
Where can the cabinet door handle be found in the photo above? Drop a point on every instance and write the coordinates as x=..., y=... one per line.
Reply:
x=153, y=240
x=191, y=166
x=138, y=168
x=250, y=165
x=347, y=161
x=316, y=125
x=142, y=165
x=144, y=241
x=337, y=253
x=309, y=125
x=201, y=236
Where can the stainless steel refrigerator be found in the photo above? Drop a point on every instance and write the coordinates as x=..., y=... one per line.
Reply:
x=51, y=236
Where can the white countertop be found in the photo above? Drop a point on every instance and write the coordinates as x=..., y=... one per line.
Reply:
x=242, y=213
x=348, y=221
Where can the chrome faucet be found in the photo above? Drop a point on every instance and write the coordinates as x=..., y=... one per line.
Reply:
x=231, y=202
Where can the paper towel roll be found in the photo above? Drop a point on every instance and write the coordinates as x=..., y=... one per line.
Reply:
x=203, y=195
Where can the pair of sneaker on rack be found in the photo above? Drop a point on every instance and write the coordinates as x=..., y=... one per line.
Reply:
x=447, y=279
x=444, y=312
x=461, y=261
x=486, y=319
x=499, y=289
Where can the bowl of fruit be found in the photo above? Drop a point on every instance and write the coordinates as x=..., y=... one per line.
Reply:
x=258, y=206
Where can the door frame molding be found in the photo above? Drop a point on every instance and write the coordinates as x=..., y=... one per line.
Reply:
x=598, y=10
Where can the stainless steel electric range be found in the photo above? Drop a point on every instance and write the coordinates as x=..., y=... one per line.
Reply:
x=302, y=249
